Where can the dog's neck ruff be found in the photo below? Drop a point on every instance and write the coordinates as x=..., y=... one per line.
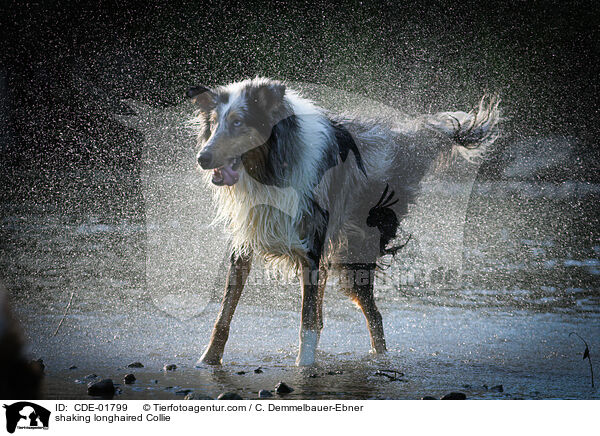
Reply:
x=270, y=220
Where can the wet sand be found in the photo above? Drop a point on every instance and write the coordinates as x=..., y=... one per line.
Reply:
x=437, y=349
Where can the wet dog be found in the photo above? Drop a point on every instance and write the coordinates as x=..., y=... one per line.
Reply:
x=316, y=193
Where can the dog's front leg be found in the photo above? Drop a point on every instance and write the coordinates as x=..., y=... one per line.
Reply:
x=239, y=269
x=309, y=327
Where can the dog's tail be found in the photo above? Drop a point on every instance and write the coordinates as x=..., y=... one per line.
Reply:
x=474, y=132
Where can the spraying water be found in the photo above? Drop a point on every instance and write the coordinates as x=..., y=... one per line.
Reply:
x=504, y=258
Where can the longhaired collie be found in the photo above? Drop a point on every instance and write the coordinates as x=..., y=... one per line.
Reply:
x=315, y=193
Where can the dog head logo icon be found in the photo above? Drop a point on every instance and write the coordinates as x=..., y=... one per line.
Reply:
x=26, y=415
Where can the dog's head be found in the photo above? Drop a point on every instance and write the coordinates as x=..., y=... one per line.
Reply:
x=234, y=120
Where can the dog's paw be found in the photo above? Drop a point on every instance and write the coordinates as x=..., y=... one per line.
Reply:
x=209, y=359
x=305, y=360
x=379, y=349
x=308, y=348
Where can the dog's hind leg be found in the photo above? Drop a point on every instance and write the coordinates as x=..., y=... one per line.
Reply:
x=239, y=269
x=310, y=319
x=359, y=286
x=366, y=302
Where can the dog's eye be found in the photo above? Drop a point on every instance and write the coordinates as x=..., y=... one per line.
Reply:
x=237, y=123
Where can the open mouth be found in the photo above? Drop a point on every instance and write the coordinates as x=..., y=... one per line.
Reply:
x=227, y=174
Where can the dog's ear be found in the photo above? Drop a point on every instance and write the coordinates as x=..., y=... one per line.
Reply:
x=202, y=96
x=269, y=96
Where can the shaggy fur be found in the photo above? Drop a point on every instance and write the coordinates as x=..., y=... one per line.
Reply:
x=300, y=188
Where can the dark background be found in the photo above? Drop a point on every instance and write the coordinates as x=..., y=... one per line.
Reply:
x=65, y=68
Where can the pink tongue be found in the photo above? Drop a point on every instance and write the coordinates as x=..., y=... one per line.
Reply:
x=230, y=176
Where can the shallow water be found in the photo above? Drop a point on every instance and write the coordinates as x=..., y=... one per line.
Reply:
x=526, y=285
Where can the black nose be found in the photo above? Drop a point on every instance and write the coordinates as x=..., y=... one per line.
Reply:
x=204, y=159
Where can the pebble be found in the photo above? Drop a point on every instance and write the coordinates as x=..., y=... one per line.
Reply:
x=263, y=393
x=90, y=376
x=454, y=396
x=258, y=370
x=72, y=367
x=388, y=373
x=154, y=381
x=497, y=388
x=128, y=379
x=102, y=387
x=282, y=388
x=170, y=367
x=241, y=372
x=196, y=396
x=183, y=391
x=229, y=396
x=427, y=397
x=135, y=365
